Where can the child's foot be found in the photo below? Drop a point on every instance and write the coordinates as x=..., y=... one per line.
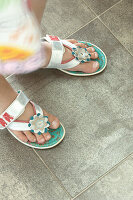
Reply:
x=88, y=67
x=26, y=136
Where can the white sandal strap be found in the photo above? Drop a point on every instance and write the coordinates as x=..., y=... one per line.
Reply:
x=23, y=126
x=14, y=110
x=19, y=126
x=69, y=44
x=57, y=51
x=72, y=63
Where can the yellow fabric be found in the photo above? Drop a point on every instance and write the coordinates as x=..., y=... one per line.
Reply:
x=8, y=53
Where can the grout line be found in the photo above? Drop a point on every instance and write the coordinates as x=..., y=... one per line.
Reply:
x=115, y=36
x=103, y=11
x=54, y=176
x=81, y=27
x=102, y=176
x=9, y=76
x=90, y=8
x=98, y=16
x=110, y=8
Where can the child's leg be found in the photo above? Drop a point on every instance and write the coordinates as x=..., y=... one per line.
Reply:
x=38, y=8
x=7, y=96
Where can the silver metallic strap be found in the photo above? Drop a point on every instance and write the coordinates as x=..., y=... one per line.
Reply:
x=14, y=110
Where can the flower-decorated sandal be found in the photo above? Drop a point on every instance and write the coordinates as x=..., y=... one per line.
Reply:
x=79, y=55
x=38, y=123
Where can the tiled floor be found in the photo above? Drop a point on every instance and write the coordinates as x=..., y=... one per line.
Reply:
x=95, y=160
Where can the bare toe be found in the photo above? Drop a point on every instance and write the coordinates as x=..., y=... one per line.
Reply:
x=81, y=45
x=47, y=136
x=89, y=67
x=73, y=41
x=30, y=136
x=94, y=55
x=92, y=67
x=91, y=49
x=54, y=121
x=20, y=135
x=40, y=139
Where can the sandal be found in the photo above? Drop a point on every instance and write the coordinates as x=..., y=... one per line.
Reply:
x=38, y=123
x=79, y=55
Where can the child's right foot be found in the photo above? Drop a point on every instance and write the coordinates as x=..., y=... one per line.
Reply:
x=26, y=136
x=29, y=124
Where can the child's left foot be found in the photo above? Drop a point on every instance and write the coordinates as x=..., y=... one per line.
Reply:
x=87, y=67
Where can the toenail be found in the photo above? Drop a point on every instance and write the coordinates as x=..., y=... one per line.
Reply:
x=54, y=124
x=48, y=137
x=42, y=140
x=96, y=54
x=92, y=49
x=95, y=64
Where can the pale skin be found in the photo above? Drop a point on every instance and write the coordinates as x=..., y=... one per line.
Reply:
x=8, y=95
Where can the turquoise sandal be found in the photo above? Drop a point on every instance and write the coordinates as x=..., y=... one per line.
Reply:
x=38, y=123
x=79, y=55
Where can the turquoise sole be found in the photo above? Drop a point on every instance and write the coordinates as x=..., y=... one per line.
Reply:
x=56, y=137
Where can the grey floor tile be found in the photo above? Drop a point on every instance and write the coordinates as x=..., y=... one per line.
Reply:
x=118, y=185
x=63, y=17
x=96, y=112
x=100, y=6
x=132, y=155
x=120, y=20
x=22, y=174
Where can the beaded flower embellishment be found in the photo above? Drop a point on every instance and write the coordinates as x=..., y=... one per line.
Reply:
x=39, y=124
x=81, y=54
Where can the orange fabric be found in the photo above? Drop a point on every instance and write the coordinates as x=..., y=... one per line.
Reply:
x=8, y=53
